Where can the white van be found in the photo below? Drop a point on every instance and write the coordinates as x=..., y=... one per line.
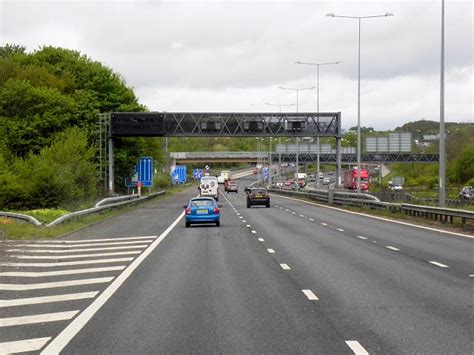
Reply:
x=209, y=187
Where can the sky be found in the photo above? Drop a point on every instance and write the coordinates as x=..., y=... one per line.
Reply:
x=233, y=56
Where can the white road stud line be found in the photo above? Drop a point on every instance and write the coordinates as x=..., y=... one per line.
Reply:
x=62, y=272
x=356, y=347
x=49, y=257
x=46, y=285
x=47, y=299
x=324, y=224
x=58, y=343
x=271, y=251
x=311, y=296
x=79, y=245
x=340, y=229
x=23, y=346
x=438, y=264
x=361, y=237
x=37, y=318
x=261, y=239
x=253, y=232
x=94, y=240
x=69, y=251
x=285, y=267
x=68, y=263
x=392, y=248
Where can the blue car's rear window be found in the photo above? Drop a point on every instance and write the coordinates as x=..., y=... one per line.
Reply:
x=202, y=203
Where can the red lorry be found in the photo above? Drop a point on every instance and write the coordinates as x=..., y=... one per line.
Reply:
x=350, y=179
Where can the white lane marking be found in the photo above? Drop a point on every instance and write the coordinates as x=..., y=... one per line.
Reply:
x=23, y=346
x=293, y=212
x=281, y=208
x=311, y=296
x=285, y=267
x=49, y=257
x=392, y=248
x=254, y=232
x=271, y=251
x=379, y=218
x=361, y=237
x=324, y=224
x=47, y=299
x=37, y=318
x=80, y=245
x=356, y=347
x=287, y=210
x=311, y=219
x=45, y=285
x=340, y=229
x=438, y=264
x=261, y=239
x=70, y=251
x=62, y=272
x=68, y=263
x=302, y=216
x=93, y=240
x=244, y=221
x=471, y=275
x=238, y=214
x=81, y=320
x=241, y=217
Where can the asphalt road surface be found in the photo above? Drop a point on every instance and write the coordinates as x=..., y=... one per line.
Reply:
x=293, y=278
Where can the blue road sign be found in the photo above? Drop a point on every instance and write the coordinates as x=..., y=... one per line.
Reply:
x=145, y=171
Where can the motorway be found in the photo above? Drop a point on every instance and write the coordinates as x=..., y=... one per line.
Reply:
x=293, y=278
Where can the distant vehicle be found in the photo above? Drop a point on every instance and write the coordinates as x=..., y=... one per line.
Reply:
x=351, y=177
x=301, y=183
x=312, y=177
x=247, y=189
x=300, y=176
x=202, y=210
x=230, y=186
x=326, y=181
x=466, y=193
x=225, y=175
x=258, y=196
x=208, y=187
x=396, y=188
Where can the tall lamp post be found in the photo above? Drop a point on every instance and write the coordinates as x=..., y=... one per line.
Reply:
x=359, y=18
x=442, y=156
x=317, y=110
x=297, y=98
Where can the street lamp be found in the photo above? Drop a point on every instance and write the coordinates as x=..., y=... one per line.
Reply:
x=297, y=96
x=442, y=142
x=359, y=18
x=317, y=138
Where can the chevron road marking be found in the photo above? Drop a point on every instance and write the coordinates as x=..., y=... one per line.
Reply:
x=62, y=272
x=49, y=257
x=43, y=245
x=143, y=246
x=37, y=318
x=68, y=263
x=23, y=346
x=47, y=299
x=45, y=285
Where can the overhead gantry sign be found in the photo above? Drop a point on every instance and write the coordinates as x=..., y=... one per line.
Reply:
x=223, y=124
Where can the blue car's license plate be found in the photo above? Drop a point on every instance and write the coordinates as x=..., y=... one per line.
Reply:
x=201, y=212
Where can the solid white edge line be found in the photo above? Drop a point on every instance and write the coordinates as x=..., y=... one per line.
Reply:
x=438, y=264
x=356, y=347
x=47, y=299
x=285, y=267
x=379, y=218
x=310, y=295
x=81, y=320
x=22, y=346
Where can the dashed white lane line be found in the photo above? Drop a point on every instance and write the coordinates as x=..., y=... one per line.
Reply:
x=471, y=275
x=241, y=217
x=68, y=263
x=261, y=239
x=253, y=232
x=438, y=264
x=324, y=224
x=285, y=267
x=244, y=221
x=361, y=237
x=46, y=285
x=340, y=229
x=311, y=296
x=311, y=219
x=271, y=251
x=248, y=225
x=47, y=299
x=302, y=216
x=356, y=347
x=293, y=212
x=69, y=251
x=37, y=318
x=23, y=346
x=48, y=257
x=392, y=248
x=62, y=272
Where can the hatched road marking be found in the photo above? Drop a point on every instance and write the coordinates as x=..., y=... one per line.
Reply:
x=356, y=347
x=22, y=346
x=47, y=251
x=62, y=272
x=271, y=251
x=47, y=299
x=78, y=256
x=311, y=296
x=45, y=285
x=70, y=263
x=37, y=318
x=285, y=267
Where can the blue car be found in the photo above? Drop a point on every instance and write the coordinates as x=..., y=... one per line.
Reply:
x=202, y=210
